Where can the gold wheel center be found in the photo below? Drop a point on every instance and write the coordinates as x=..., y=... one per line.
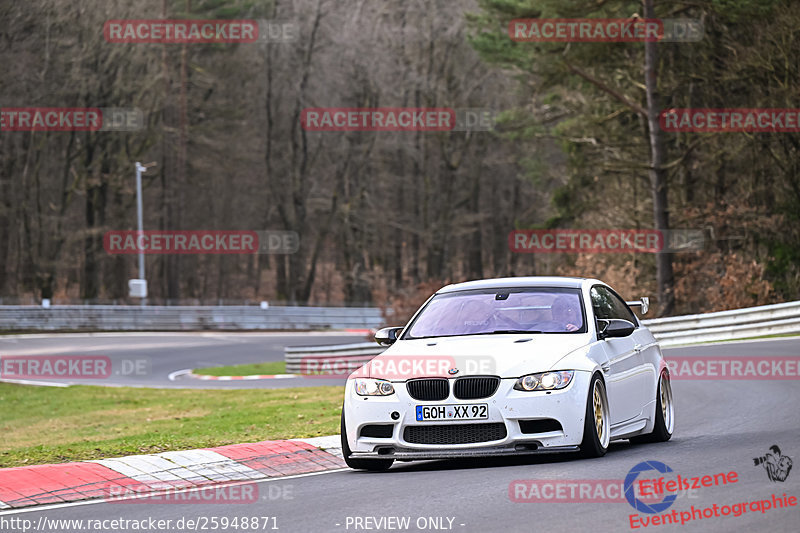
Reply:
x=597, y=402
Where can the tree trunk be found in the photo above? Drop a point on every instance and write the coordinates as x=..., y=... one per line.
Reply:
x=475, y=253
x=658, y=177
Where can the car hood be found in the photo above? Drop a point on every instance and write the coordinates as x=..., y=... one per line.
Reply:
x=507, y=356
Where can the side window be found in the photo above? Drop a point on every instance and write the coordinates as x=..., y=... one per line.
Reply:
x=600, y=303
x=607, y=305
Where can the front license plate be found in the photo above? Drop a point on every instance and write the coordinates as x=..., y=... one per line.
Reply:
x=476, y=411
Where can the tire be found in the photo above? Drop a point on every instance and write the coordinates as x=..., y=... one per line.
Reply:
x=597, y=424
x=374, y=465
x=665, y=414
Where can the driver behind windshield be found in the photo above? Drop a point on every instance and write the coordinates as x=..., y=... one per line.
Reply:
x=565, y=313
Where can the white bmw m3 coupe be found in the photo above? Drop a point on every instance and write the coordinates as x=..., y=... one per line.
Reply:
x=509, y=366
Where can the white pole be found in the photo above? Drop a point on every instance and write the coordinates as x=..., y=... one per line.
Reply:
x=139, y=170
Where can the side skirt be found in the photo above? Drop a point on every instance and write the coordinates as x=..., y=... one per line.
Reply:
x=628, y=429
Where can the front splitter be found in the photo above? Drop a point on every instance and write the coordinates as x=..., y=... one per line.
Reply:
x=462, y=453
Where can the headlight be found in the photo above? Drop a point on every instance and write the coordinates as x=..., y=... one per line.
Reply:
x=373, y=387
x=545, y=381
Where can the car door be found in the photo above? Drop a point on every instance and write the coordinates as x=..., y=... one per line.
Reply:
x=651, y=357
x=624, y=372
x=644, y=345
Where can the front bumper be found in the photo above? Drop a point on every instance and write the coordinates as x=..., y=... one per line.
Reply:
x=506, y=406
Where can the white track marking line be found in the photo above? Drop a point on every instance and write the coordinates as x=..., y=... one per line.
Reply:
x=36, y=383
x=251, y=377
x=173, y=375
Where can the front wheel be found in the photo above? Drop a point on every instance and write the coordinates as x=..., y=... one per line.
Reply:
x=375, y=465
x=596, y=430
x=665, y=414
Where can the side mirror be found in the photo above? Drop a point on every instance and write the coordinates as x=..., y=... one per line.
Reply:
x=643, y=303
x=387, y=336
x=614, y=327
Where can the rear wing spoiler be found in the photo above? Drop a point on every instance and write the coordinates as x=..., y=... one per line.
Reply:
x=643, y=303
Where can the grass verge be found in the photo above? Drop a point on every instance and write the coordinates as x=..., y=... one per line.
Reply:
x=263, y=369
x=53, y=425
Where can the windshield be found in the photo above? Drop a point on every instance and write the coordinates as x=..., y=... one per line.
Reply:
x=496, y=311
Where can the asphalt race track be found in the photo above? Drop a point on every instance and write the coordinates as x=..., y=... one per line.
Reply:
x=721, y=426
x=156, y=359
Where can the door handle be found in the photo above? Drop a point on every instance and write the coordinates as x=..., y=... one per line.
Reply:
x=606, y=367
x=637, y=348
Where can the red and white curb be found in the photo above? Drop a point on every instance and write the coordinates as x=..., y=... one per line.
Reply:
x=111, y=478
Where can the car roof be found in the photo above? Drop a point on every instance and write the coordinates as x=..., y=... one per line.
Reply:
x=517, y=282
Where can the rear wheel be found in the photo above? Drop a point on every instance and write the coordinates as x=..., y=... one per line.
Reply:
x=665, y=414
x=596, y=430
x=375, y=465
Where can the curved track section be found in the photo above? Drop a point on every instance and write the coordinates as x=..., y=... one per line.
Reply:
x=722, y=426
x=163, y=360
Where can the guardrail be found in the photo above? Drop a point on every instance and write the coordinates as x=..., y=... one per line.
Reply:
x=184, y=318
x=329, y=359
x=727, y=325
x=671, y=331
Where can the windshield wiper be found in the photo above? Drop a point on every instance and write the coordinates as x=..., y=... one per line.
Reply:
x=495, y=332
x=502, y=331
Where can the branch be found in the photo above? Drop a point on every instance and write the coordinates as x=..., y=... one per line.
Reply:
x=605, y=88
